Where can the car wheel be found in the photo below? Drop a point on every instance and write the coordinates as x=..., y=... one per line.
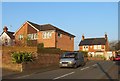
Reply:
x=75, y=65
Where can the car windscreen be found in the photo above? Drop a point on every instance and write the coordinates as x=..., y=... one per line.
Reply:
x=68, y=55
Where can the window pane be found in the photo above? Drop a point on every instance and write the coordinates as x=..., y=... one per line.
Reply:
x=47, y=35
x=95, y=46
x=35, y=36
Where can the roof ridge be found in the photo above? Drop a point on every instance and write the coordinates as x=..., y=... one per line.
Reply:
x=52, y=27
x=95, y=38
x=32, y=22
x=10, y=32
x=45, y=24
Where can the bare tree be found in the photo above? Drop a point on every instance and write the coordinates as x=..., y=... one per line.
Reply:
x=112, y=45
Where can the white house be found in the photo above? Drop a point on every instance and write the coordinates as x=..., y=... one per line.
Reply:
x=7, y=37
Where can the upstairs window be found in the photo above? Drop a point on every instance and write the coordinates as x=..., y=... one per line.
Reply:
x=20, y=37
x=90, y=46
x=99, y=46
x=35, y=36
x=85, y=48
x=32, y=36
x=95, y=46
x=71, y=38
x=47, y=35
x=59, y=35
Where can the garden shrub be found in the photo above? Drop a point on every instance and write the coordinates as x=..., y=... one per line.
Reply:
x=20, y=57
x=40, y=45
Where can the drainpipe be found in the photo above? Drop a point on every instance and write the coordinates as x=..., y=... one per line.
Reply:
x=56, y=38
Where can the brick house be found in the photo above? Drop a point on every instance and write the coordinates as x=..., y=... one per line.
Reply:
x=94, y=46
x=7, y=38
x=49, y=35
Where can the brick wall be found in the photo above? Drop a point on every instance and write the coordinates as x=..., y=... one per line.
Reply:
x=21, y=31
x=49, y=42
x=64, y=42
x=6, y=56
x=42, y=60
x=24, y=30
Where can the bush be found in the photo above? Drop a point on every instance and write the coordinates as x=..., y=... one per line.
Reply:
x=40, y=45
x=19, y=57
x=100, y=56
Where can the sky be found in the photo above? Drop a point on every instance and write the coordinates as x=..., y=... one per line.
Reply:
x=93, y=19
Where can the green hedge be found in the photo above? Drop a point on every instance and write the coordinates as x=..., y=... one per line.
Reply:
x=19, y=57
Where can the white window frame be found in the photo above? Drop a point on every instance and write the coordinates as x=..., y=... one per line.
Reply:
x=85, y=48
x=95, y=47
x=35, y=36
x=99, y=47
x=47, y=34
x=91, y=46
x=20, y=37
x=32, y=36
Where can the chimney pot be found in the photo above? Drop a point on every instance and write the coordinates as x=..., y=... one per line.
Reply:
x=83, y=37
x=5, y=29
x=106, y=36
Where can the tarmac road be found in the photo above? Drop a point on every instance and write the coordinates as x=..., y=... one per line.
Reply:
x=92, y=70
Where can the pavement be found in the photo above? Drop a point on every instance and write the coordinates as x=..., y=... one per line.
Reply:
x=92, y=70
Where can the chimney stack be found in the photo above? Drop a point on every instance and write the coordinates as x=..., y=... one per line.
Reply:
x=5, y=29
x=106, y=36
x=83, y=37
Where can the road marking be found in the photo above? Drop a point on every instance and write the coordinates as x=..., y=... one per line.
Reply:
x=63, y=75
x=94, y=65
x=25, y=75
x=84, y=68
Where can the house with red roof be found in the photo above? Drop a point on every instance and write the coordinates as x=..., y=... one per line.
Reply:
x=94, y=46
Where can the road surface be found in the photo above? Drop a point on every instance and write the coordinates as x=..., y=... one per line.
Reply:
x=92, y=70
